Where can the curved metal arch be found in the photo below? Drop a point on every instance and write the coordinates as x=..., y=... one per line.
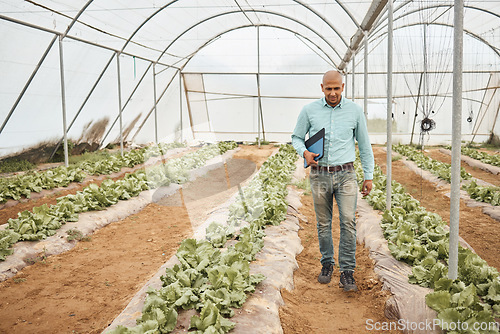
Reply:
x=443, y=5
x=348, y=13
x=325, y=20
x=75, y=19
x=380, y=26
x=210, y=40
x=256, y=11
x=473, y=35
x=248, y=26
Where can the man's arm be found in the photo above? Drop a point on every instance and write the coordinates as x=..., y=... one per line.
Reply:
x=299, y=134
x=365, y=153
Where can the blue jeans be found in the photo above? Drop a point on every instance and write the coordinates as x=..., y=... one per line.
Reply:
x=343, y=186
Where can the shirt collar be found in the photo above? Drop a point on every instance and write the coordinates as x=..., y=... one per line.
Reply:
x=337, y=106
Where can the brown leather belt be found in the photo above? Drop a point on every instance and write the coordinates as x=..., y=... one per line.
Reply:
x=331, y=169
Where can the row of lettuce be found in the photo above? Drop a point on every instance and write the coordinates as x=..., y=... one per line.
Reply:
x=490, y=159
x=23, y=185
x=44, y=220
x=214, y=281
x=487, y=194
x=421, y=239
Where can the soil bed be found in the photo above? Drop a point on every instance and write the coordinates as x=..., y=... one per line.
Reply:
x=476, y=228
x=478, y=173
x=84, y=289
x=49, y=197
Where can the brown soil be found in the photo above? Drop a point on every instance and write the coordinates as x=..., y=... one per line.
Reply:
x=478, y=173
x=478, y=229
x=49, y=197
x=325, y=308
x=84, y=289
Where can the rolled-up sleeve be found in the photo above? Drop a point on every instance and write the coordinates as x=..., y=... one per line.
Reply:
x=299, y=134
x=365, y=147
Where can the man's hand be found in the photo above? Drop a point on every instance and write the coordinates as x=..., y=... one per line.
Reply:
x=367, y=187
x=309, y=156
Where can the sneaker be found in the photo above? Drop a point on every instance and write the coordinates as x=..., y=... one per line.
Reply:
x=347, y=281
x=326, y=274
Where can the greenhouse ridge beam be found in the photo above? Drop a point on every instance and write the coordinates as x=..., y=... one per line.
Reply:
x=367, y=24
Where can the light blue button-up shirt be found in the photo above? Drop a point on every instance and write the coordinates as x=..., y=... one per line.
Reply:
x=343, y=124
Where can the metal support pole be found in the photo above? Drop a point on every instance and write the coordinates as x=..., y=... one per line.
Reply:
x=83, y=104
x=188, y=103
x=63, y=101
x=353, y=76
x=119, y=101
x=416, y=108
x=180, y=102
x=258, y=86
x=456, y=122
x=365, y=77
x=346, y=85
x=390, y=35
x=124, y=105
x=155, y=104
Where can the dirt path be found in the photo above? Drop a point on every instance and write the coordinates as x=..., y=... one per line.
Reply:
x=325, y=309
x=83, y=290
x=478, y=229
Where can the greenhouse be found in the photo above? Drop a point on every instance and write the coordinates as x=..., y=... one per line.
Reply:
x=150, y=181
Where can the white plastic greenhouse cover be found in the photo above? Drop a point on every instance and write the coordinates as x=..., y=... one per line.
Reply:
x=234, y=69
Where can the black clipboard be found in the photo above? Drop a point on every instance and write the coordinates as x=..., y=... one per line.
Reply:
x=316, y=144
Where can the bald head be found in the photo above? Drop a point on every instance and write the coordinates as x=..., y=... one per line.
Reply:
x=332, y=76
x=332, y=86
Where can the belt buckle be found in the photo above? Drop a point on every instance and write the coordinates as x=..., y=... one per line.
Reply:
x=330, y=169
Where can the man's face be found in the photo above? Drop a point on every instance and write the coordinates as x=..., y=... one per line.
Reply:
x=332, y=87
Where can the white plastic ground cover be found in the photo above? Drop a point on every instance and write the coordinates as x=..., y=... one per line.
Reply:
x=490, y=210
x=475, y=163
x=90, y=221
x=94, y=178
x=276, y=260
x=407, y=302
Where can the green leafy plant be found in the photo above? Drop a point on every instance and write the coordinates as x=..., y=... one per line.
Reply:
x=75, y=234
x=491, y=159
x=421, y=239
x=483, y=194
x=214, y=281
x=15, y=165
x=440, y=169
x=44, y=221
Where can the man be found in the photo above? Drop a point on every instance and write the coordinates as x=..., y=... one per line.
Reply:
x=333, y=175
